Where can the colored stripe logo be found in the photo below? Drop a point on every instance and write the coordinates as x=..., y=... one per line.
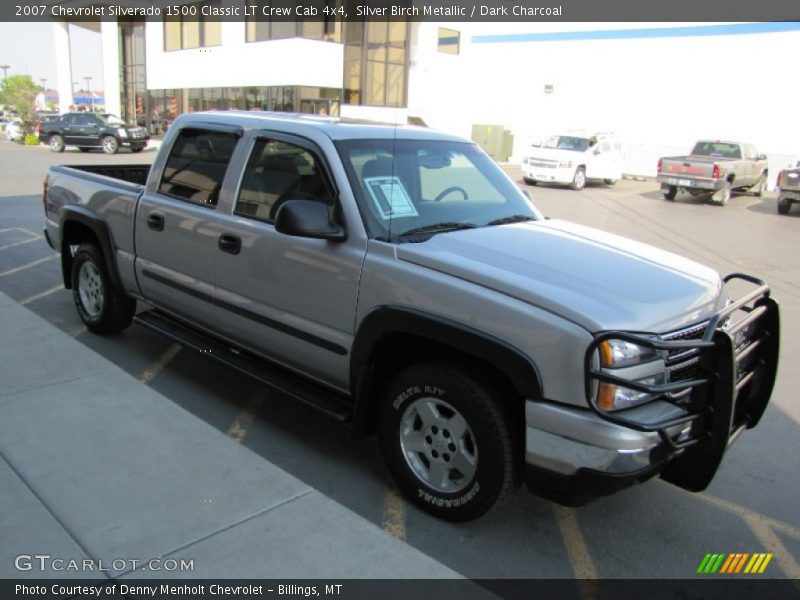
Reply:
x=734, y=563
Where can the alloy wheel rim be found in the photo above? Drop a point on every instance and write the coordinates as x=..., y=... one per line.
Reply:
x=90, y=289
x=438, y=445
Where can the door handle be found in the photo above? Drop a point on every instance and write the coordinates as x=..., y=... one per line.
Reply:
x=155, y=221
x=232, y=244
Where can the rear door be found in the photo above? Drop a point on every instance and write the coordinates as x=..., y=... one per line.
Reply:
x=177, y=224
x=291, y=299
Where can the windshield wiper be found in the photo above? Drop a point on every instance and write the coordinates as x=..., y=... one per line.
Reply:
x=438, y=228
x=511, y=219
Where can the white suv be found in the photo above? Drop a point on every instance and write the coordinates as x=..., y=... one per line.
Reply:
x=572, y=159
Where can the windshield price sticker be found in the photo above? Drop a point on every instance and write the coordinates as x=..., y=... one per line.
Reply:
x=390, y=197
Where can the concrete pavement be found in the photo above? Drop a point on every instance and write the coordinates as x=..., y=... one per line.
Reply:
x=96, y=466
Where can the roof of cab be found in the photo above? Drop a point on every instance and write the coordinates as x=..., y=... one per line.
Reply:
x=336, y=128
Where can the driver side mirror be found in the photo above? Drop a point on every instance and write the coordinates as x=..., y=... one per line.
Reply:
x=307, y=218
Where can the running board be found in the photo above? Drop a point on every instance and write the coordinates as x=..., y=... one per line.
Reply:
x=330, y=403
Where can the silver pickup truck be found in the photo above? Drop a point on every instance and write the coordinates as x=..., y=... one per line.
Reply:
x=714, y=167
x=396, y=278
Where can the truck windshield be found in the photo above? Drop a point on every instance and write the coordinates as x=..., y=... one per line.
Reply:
x=408, y=190
x=111, y=120
x=717, y=150
x=566, y=142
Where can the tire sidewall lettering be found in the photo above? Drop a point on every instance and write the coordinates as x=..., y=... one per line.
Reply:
x=461, y=500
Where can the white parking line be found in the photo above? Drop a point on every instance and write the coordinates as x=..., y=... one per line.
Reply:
x=159, y=365
x=42, y=295
x=20, y=243
x=29, y=265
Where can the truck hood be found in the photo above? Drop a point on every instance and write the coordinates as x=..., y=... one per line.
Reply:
x=595, y=279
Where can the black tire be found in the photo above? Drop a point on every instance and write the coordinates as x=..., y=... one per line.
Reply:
x=56, y=142
x=760, y=186
x=578, y=179
x=110, y=144
x=671, y=193
x=100, y=306
x=443, y=393
x=610, y=181
x=137, y=148
x=529, y=181
x=783, y=206
x=84, y=149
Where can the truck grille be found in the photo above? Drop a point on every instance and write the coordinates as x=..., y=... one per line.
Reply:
x=137, y=133
x=681, y=363
x=543, y=163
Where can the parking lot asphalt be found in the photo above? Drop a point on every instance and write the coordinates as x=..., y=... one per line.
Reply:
x=653, y=530
x=95, y=465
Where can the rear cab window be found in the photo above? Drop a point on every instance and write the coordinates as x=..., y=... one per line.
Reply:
x=196, y=165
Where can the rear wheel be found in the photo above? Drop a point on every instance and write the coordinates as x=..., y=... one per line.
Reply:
x=529, y=181
x=783, y=206
x=671, y=192
x=110, y=144
x=100, y=306
x=579, y=179
x=56, y=143
x=137, y=148
x=446, y=441
x=722, y=196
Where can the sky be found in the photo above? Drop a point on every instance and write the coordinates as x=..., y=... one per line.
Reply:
x=28, y=49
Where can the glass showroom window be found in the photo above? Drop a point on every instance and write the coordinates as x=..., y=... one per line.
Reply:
x=182, y=33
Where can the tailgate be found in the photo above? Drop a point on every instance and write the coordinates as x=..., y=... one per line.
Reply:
x=688, y=166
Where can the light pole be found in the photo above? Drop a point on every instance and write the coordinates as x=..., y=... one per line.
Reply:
x=89, y=91
x=44, y=91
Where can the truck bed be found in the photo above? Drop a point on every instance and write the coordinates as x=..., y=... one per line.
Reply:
x=136, y=174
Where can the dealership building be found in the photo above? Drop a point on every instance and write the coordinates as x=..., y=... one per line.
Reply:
x=659, y=86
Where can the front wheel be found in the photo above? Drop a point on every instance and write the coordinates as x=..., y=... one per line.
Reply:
x=100, y=306
x=110, y=144
x=446, y=441
x=56, y=143
x=579, y=179
x=760, y=186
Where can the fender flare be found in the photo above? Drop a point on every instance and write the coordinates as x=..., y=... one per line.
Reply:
x=387, y=320
x=74, y=213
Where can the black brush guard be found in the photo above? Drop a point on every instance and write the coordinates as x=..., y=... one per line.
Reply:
x=727, y=392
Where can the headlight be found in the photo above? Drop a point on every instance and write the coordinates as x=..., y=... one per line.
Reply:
x=122, y=132
x=627, y=360
x=620, y=353
x=565, y=164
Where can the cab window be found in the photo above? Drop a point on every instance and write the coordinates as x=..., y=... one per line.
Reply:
x=196, y=165
x=278, y=171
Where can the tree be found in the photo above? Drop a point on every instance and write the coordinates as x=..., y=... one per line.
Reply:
x=19, y=92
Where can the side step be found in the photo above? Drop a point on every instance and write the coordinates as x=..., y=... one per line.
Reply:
x=328, y=402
